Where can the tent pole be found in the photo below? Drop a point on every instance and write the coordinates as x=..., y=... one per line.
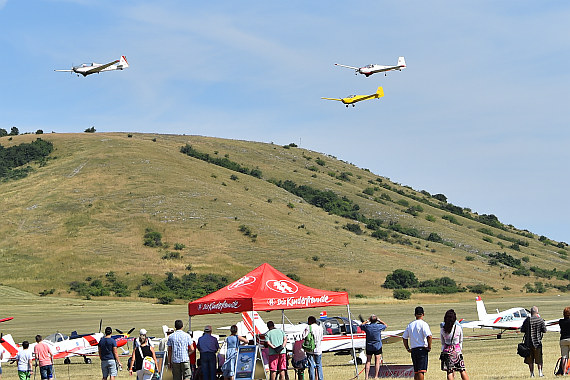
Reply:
x=283, y=319
x=352, y=340
x=190, y=325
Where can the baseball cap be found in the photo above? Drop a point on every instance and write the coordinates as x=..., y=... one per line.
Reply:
x=208, y=328
x=142, y=332
x=419, y=310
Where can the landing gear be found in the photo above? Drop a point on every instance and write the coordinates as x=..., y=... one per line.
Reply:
x=86, y=360
x=66, y=361
x=499, y=336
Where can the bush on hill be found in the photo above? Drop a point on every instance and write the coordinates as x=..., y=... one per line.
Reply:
x=189, y=286
x=19, y=155
x=223, y=162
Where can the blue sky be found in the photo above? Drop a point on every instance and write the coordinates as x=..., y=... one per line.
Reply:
x=480, y=114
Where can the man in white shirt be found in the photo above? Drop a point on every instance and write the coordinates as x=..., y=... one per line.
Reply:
x=419, y=345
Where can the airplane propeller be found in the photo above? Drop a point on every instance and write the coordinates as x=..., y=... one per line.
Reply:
x=128, y=332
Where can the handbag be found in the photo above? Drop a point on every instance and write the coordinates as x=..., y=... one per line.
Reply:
x=147, y=364
x=522, y=349
x=444, y=355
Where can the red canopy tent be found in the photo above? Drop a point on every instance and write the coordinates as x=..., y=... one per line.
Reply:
x=264, y=289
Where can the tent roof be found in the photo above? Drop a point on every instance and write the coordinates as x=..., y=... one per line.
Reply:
x=264, y=289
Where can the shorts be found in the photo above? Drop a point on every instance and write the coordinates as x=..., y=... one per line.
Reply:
x=564, y=348
x=535, y=356
x=277, y=362
x=420, y=359
x=24, y=375
x=109, y=367
x=0, y=370
x=374, y=352
x=46, y=372
x=181, y=370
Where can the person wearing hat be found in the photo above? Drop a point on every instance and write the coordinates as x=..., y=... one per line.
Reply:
x=419, y=335
x=208, y=346
x=373, y=328
x=179, y=350
x=142, y=349
x=108, y=355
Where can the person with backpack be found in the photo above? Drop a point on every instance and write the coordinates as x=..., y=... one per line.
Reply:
x=373, y=328
x=313, y=350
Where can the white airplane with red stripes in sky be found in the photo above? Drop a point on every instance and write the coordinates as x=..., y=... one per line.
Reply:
x=510, y=319
x=96, y=68
x=373, y=69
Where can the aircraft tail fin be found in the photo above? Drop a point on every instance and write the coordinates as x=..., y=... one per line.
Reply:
x=401, y=63
x=253, y=322
x=481, y=311
x=9, y=345
x=380, y=92
x=123, y=64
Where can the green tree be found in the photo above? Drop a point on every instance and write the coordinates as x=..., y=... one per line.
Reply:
x=401, y=279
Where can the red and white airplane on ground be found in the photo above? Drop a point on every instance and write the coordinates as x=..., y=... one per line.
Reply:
x=62, y=346
x=510, y=319
x=92, y=68
x=373, y=69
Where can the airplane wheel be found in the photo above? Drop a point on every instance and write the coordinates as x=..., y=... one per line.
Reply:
x=353, y=105
x=499, y=336
x=66, y=361
x=347, y=106
x=87, y=360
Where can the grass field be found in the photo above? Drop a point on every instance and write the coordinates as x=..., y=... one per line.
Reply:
x=486, y=357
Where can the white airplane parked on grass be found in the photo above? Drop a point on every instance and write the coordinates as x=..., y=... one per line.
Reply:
x=336, y=330
x=92, y=68
x=510, y=319
x=373, y=69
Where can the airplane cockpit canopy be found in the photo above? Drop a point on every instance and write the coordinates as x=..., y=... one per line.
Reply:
x=521, y=313
x=57, y=337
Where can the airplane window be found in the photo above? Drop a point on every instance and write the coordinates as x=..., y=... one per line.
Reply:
x=517, y=314
x=524, y=314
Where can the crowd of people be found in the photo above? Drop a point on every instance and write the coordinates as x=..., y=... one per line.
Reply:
x=307, y=353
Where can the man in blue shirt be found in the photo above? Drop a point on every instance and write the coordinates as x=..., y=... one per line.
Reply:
x=373, y=328
x=179, y=350
x=208, y=346
x=108, y=355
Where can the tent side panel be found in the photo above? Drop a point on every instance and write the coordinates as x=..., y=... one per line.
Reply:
x=227, y=305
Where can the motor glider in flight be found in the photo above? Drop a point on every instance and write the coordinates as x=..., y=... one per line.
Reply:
x=510, y=319
x=92, y=68
x=358, y=98
x=373, y=69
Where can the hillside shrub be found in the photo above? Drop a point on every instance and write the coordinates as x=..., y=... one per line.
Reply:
x=320, y=161
x=506, y=259
x=294, y=277
x=401, y=279
x=380, y=234
x=223, y=162
x=354, y=227
x=451, y=219
x=179, y=246
x=171, y=255
x=434, y=237
x=480, y=288
x=152, y=238
x=537, y=288
x=402, y=294
x=368, y=191
x=90, y=130
x=430, y=218
x=490, y=220
x=13, y=158
x=189, y=286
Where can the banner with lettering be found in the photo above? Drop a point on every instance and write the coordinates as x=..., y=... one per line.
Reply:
x=265, y=288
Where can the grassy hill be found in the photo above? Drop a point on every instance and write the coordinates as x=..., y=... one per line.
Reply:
x=85, y=212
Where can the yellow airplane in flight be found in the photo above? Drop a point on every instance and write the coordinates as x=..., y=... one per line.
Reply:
x=358, y=98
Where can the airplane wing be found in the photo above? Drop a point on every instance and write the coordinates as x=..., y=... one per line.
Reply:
x=65, y=71
x=99, y=68
x=350, y=67
x=392, y=336
x=6, y=319
x=389, y=68
x=76, y=351
x=340, y=100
